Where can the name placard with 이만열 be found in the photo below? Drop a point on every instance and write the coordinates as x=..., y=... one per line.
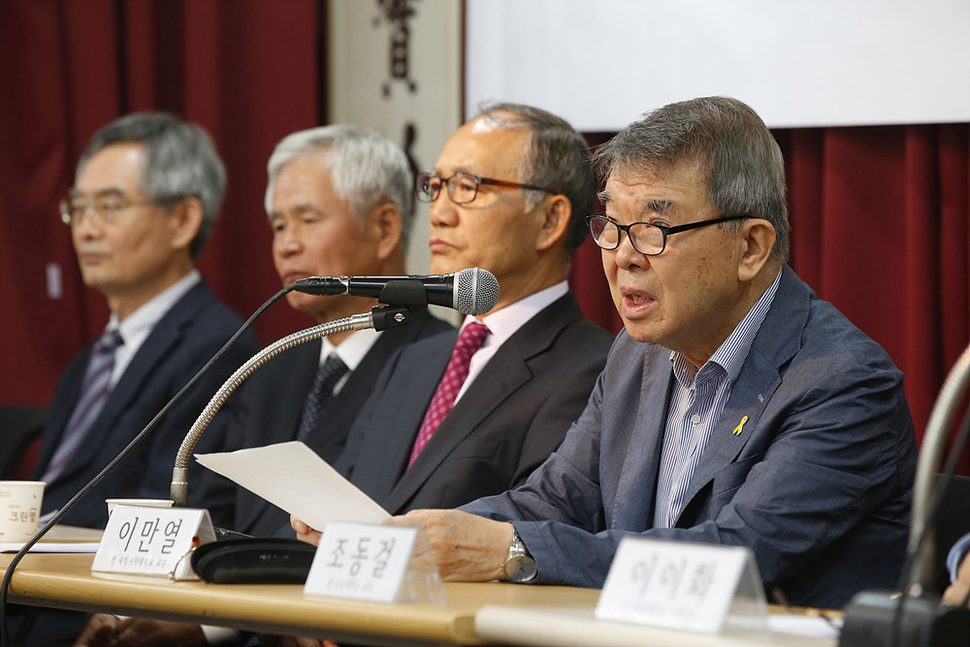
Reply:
x=152, y=541
x=681, y=585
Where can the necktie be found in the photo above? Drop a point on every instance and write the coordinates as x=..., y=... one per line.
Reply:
x=94, y=393
x=320, y=394
x=469, y=341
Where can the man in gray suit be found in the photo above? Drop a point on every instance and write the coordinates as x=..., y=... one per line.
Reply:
x=736, y=408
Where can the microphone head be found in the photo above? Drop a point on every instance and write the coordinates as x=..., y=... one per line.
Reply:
x=476, y=291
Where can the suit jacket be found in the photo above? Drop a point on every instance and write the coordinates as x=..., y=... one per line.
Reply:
x=182, y=341
x=817, y=483
x=510, y=419
x=275, y=395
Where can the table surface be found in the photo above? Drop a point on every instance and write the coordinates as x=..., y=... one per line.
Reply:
x=473, y=614
x=66, y=581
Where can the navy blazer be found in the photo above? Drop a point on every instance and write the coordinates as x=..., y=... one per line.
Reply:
x=817, y=483
x=510, y=419
x=275, y=395
x=182, y=341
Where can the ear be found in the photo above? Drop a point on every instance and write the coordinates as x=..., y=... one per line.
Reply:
x=186, y=220
x=557, y=212
x=757, y=238
x=386, y=219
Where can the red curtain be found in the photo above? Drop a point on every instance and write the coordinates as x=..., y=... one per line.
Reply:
x=249, y=71
x=879, y=215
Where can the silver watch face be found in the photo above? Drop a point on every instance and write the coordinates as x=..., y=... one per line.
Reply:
x=521, y=568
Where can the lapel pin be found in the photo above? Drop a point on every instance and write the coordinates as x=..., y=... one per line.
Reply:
x=737, y=430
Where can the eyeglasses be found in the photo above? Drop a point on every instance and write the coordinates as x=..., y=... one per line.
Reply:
x=462, y=187
x=646, y=237
x=104, y=210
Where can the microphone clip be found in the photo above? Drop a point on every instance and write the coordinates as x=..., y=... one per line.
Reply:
x=390, y=316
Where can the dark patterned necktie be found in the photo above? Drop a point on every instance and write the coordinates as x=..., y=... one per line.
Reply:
x=469, y=341
x=94, y=393
x=320, y=394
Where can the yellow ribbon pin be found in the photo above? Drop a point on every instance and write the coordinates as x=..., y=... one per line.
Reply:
x=737, y=430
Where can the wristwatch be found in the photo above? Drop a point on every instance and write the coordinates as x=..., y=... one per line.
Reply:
x=519, y=566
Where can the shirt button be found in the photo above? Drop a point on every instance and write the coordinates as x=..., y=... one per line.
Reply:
x=696, y=418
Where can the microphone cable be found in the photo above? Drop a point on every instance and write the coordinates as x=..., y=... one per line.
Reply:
x=137, y=440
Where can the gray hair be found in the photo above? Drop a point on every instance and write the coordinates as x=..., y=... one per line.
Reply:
x=744, y=165
x=366, y=169
x=181, y=162
x=559, y=160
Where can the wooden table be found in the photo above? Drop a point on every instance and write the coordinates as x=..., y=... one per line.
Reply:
x=66, y=581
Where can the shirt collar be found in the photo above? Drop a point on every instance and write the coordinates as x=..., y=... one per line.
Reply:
x=352, y=349
x=138, y=325
x=731, y=354
x=505, y=322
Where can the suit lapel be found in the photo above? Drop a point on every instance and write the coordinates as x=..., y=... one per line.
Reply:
x=383, y=459
x=777, y=341
x=636, y=490
x=60, y=412
x=344, y=408
x=165, y=335
x=505, y=372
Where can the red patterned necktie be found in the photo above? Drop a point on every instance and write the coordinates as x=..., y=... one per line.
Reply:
x=469, y=341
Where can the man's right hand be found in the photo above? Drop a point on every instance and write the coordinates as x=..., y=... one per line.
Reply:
x=305, y=532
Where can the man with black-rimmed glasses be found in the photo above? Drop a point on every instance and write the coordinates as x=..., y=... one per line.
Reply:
x=736, y=407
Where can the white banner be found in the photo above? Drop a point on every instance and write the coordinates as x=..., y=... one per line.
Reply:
x=799, y=63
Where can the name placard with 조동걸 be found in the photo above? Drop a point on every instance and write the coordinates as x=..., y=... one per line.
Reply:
x=152, y=541
x=361, y=562
x=681, y=585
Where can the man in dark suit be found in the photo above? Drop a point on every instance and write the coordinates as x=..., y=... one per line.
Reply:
x=147, y=192
x=340, y=201
x=145, y=199
x=328, y=220
x=736, y=407
x=509, y=194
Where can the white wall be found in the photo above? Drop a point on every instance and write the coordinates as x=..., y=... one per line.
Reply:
x=421, y=87
x=602, y=63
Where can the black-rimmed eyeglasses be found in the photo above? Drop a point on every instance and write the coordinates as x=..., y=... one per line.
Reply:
x=462, y=187
x=646, y=237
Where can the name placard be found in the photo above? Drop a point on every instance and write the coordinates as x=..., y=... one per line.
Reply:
x=677, y=585
x=152, y=541
x=361, y=562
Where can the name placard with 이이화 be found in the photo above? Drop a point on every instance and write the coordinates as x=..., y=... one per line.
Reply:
x=361, y=562
x=681, y=585
x=152, y=541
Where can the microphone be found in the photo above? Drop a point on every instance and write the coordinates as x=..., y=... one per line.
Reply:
x=471, y=291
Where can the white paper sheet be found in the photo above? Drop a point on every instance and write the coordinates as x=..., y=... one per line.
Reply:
x=292, y=477
x=52, y=547
x=61, y=539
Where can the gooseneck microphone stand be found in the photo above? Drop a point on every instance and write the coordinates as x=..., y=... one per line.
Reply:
x=379, y=318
